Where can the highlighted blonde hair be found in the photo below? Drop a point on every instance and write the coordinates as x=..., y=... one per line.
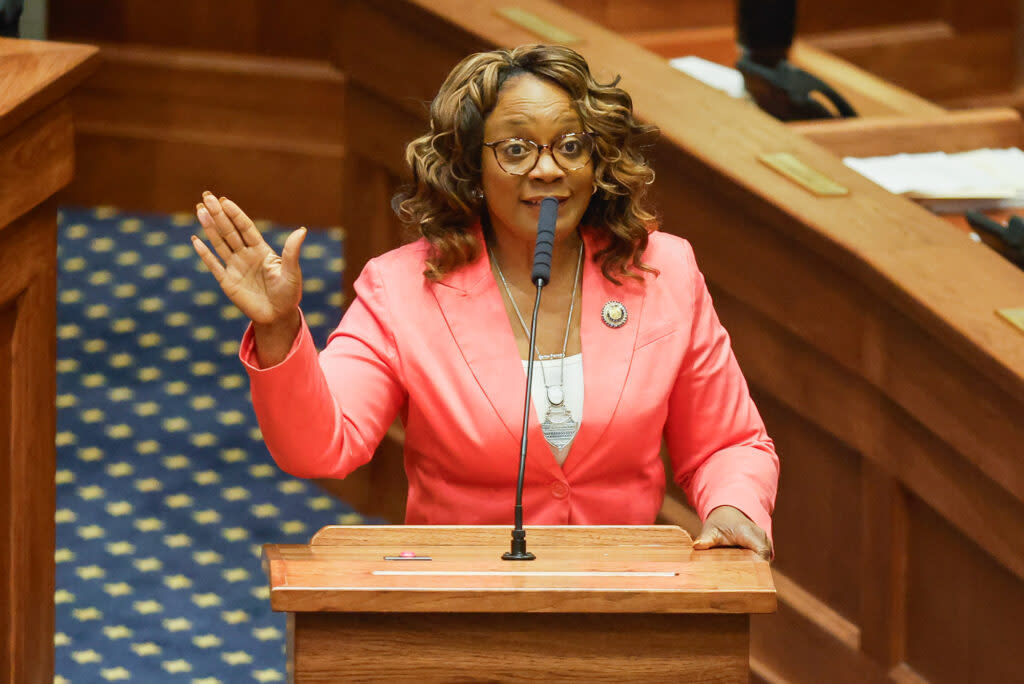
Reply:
x=444, y=201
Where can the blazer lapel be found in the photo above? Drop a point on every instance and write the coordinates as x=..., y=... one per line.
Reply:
x=472, y=306
x=607, y=352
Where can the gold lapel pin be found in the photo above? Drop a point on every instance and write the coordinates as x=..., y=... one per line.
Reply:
x=614, y=314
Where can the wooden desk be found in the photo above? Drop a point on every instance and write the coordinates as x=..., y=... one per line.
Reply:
x=36, y=161
x=959, y=131
x=598, y=604
x=958, y=53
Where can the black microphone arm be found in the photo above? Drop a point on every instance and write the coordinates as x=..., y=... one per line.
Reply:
x=1010, y=236
x=541, y=276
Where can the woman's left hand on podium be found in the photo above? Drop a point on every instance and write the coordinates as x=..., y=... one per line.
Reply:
x=728, y=526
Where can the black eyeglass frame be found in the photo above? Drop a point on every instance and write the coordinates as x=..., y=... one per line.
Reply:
x=540, y=150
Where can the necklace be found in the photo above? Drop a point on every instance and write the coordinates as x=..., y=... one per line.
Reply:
x=558, y=425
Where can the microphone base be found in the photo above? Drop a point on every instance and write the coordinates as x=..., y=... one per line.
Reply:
x=518, y=552
x=518, y=556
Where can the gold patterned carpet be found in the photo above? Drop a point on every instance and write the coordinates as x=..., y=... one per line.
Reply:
x=165, y=491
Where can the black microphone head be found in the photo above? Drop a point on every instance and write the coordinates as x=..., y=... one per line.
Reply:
x=545, y=241
x=765, y=28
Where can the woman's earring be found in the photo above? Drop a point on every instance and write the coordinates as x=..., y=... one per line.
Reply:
x=478, y=193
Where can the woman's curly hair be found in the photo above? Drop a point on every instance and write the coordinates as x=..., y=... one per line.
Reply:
x=444, y=200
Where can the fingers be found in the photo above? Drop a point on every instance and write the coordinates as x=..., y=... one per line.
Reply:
x=243, y=224
x=710, y=536
x=753, y=538
x=222, y=223
x=746, y=535
x=211, y=261
x=210, y=231
x=292, y=248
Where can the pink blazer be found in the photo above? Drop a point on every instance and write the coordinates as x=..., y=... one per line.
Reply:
x=443, y=357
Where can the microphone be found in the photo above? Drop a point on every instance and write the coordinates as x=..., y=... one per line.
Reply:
x=541, y=276
x=765, y=30
x=545, y=240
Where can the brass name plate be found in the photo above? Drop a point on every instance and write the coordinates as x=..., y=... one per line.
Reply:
x=1014, y=317
x=802, y=174
x=534, y=24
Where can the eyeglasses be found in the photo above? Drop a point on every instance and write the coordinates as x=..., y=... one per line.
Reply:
x=518, y=156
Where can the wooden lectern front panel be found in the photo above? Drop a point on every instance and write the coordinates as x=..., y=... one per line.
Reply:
x=515, y=647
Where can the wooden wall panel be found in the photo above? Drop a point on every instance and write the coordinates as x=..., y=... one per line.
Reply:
x=167, y=174
x=8, y=521
x=28, y=380
x=817, y=520
x=853, y=411
x=953, y=132
x=813, y=16
x=165, y=125
x=963, y=610
x=262, y=27
x=907, y=609
x=938, y=68
x=273, y=101
x=36, y=148
x=792, y=646
x=943, y=51
x=883, y=566
x=654, y=15
x=844, y=317
x=376, y=131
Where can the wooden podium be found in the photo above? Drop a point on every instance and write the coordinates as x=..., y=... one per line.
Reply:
x=599, y=603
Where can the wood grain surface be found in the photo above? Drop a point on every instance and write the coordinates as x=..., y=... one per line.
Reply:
x=604, y=569
x=35, y=74
x=956, y=131
x=331, y=647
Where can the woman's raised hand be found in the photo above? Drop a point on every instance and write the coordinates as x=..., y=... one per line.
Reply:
x=265, y=286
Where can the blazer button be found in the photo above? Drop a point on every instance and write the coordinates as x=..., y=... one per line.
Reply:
x=559, y=490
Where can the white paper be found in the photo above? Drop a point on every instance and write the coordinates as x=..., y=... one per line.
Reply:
x=723, y=78
x=984, y=178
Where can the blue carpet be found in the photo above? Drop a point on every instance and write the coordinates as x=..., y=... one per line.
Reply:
x=165, y=491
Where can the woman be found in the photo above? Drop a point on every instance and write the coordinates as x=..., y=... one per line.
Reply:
x=631, y=348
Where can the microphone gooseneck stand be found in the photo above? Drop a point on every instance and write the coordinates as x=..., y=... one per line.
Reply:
x=540, y=276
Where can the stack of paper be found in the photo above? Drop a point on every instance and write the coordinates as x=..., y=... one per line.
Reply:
x=948, y=183
x=729, y=81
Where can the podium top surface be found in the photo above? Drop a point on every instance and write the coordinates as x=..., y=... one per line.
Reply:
x=34, y=74
x=578, y=569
